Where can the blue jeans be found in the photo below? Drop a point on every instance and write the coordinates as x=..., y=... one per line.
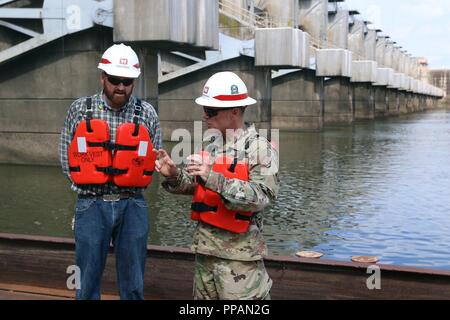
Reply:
x=125, y=222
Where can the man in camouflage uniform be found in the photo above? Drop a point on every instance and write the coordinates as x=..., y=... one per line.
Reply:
x=229, y=265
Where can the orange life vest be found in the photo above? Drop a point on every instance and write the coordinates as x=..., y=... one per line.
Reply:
x=91, y=157
x=208, y=206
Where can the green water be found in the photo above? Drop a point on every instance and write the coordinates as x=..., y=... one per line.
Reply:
x=378, y=188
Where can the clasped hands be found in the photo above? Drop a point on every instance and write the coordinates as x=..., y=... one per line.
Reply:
x=197, y=166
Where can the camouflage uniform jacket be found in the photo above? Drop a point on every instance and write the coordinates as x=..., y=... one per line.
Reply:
x=254, y=195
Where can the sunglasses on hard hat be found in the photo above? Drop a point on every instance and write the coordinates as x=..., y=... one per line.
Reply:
x=116, y=81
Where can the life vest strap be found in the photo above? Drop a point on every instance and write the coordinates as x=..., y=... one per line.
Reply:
x=233, y=165
x=89, y=114
x=112, y=146
x=202, y=207
x=137, y=114
x=111, y=170
x=242, y=217
x=119, y=147
x=107, y=145
x=115, y=171
x=75, y=169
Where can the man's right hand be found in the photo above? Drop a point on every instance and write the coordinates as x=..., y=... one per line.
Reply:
x=164, y=164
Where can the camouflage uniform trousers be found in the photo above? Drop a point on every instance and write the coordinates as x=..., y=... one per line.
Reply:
x=222, y=279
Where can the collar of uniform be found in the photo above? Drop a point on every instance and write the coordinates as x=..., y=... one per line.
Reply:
x=131, y=102
x=248, y=131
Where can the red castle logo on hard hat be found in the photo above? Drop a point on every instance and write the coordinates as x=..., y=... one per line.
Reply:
x=124, y=61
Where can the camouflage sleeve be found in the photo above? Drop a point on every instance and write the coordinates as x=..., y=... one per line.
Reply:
x=263, y=185
x=180, y=184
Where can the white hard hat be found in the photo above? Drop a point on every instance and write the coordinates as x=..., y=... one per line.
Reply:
x=225, y=90
x=120, y=61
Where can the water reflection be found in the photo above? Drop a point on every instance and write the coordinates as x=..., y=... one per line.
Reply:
x=378, y=188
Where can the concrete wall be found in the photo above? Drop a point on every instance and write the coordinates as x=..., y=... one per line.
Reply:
x=441, y=79
x=409, y=102
x=338, y=96
x=380, y=52
x=403, y=102
x=381, y=102
x=393, y=102
x=171, y=62
x=37, y=89
x=313, y=18
x=364, y=101
x=295, y=44
x=51, y=78
x=388, y=54
x=233, y=28
x=370, y=45
x=415, y=101
x=297, y=101
x=282, y=12
x=338, y=29
x=356, y=40
x=168, y=22
x=177, y=108
x=396, y=59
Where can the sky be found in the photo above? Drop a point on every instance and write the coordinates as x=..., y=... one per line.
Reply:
x=420, y=27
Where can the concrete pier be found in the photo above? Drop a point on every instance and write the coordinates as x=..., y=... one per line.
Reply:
x=338, y=104
x=409, y=102
x=364, y=69
x=416, y=103
x=381, y=101
x=364, y=75
x=297, y=101
x=402, y=102
x=364, y=101
x=393, y=102
x=337, y=64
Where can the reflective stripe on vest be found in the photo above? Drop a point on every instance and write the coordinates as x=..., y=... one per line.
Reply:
x=207, y=205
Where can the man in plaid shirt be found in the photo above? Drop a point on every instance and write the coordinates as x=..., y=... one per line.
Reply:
x=108, y=212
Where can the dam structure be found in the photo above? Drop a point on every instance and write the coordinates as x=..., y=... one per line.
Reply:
x=308, y=63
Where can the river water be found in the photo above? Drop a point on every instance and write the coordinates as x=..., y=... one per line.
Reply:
x=379, y=188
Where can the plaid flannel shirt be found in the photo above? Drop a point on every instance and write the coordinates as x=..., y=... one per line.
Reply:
x=101, y=110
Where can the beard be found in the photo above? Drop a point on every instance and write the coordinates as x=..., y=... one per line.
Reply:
x=117, y=98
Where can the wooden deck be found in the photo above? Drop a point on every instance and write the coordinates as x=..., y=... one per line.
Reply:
x=22, y=292
x=29, y=264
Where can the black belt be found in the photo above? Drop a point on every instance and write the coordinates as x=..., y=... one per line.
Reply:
x=110, y=197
